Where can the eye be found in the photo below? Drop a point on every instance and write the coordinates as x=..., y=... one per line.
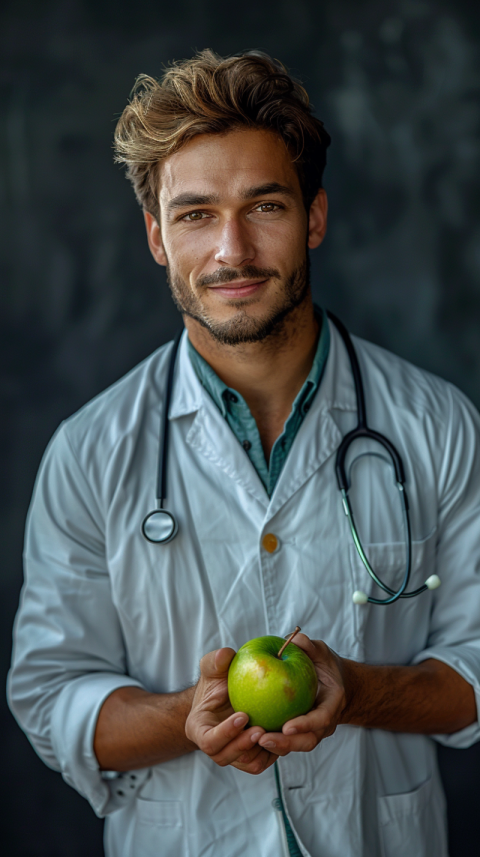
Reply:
x=267, y=207
x=194, y=216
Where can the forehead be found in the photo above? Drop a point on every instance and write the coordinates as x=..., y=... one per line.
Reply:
x=227, y=164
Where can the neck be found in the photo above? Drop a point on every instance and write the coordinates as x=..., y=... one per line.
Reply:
x=268, y=374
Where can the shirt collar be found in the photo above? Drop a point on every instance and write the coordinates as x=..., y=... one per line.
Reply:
x=219, y=391
x=338, y=391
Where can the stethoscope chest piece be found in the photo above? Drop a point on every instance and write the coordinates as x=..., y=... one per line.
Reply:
x=159, y=526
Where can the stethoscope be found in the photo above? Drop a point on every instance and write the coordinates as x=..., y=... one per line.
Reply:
x=160, y=526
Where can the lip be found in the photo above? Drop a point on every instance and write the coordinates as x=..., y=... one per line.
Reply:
x=238, y=288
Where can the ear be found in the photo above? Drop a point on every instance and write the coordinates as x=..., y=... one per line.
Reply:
x=317, y=220
x=154, y=238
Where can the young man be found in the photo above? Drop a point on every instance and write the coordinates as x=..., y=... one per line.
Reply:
x=226, y=161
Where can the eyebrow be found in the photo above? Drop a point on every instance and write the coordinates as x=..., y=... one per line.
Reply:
x=265, y=189
x=187, y=199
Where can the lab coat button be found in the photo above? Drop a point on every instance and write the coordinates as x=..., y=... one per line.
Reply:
x=270, y=542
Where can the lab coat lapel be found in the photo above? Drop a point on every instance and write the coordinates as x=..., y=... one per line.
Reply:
x=319, y=435
x=210, y=434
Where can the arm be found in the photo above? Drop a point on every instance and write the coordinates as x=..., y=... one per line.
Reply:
x=428, y=698
x=68, y=686
x=137, y=729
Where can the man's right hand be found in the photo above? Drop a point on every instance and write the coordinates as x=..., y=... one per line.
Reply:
x=214, y=726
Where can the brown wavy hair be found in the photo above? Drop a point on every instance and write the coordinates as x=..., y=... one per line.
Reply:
x=209, y=94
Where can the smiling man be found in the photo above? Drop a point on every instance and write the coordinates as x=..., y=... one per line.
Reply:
x=124, y=637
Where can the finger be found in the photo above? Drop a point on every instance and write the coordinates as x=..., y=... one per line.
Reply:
x=305, y=643
x=239, y=746
x=318, y=719
x=213, y=739
x=215, y=665
x=282, y=745
x=260, y=764
x=246, y=757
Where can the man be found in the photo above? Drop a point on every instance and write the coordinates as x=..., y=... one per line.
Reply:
x=226, y=161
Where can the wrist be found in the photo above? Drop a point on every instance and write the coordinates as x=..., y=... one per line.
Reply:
x=352, y=674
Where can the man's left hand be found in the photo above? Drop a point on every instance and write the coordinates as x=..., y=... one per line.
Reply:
x=304, y=733
x=427, y=698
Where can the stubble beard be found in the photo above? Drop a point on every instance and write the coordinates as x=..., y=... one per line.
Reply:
x=242, y=328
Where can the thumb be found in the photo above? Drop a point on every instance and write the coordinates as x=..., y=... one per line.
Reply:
x=215, y=665
x=305, y=643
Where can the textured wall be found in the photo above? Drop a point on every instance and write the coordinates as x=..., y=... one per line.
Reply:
x=397, y=84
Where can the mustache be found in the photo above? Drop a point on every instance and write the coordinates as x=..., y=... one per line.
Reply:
x=229, y=275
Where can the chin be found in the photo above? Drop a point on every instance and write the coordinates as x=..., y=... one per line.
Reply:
x=241, y=327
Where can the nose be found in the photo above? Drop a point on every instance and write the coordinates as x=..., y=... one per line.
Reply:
x=236, y=247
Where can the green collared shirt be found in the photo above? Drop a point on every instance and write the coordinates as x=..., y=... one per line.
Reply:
x=238, y=416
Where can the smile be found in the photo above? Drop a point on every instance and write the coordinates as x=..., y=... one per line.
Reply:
x=238, y=289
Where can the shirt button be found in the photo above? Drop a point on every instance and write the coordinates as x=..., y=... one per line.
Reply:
x=270, y=542
x=232, y=397
x=246, y=445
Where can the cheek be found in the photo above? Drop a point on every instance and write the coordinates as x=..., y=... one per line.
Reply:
x=190, y=254
x=285, y=240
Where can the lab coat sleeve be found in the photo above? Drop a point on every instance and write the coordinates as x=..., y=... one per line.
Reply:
x=68, y=653
x=455, y=620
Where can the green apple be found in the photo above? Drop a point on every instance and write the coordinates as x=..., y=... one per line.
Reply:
x=271, y=689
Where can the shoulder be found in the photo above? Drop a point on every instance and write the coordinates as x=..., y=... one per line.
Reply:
x=408, y=388
x=434, y=425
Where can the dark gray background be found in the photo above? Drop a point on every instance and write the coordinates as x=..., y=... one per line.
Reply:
x=397, y=84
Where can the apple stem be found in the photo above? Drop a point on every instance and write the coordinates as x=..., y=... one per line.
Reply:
x=288, y=640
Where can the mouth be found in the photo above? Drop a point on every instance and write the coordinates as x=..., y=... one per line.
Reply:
x=238, y=288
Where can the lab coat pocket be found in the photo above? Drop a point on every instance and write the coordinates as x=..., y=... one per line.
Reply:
x=159, y=829
x=389, y=561
x=412, y=823
x=397, y=632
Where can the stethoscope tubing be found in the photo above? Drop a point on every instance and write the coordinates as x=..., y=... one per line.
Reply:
x=363, y=431
x=165, y=434
x=160, y=525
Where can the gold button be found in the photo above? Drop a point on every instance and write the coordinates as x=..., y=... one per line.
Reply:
x=270, y=542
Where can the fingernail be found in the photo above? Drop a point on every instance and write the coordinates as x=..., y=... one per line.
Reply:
x=240, y=721
x=255, y=736
x=269, y=745
x=290, y=731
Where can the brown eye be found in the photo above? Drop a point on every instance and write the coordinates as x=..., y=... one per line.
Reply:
x=194, y=216
x=268, y=206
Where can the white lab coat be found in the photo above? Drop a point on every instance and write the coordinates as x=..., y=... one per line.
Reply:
x=103, y=608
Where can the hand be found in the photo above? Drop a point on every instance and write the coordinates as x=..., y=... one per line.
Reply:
x=214, y=726
x=302, y=734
